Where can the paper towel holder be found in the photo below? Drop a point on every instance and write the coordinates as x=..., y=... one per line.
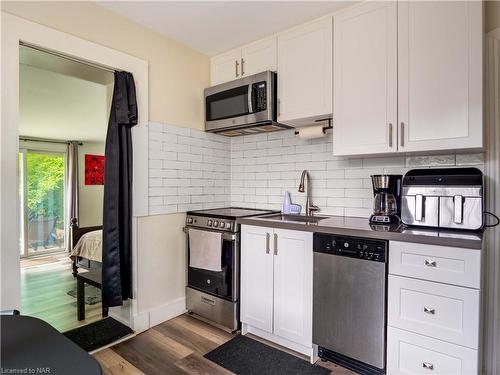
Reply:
x=325, y=128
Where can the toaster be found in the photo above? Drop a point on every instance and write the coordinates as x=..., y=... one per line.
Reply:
x=443, y=198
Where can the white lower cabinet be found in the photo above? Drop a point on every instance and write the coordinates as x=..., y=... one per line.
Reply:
x=441, y=311
x=276, y=286
x=410, y=353
x=433, y=326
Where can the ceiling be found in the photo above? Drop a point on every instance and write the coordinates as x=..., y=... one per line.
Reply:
x=61, y=99
x=212, y=27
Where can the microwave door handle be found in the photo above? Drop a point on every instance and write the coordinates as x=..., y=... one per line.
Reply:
x=250, y=90
x=419, y=207
x=458, y=209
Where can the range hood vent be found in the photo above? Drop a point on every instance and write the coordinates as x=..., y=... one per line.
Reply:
x=266, y=127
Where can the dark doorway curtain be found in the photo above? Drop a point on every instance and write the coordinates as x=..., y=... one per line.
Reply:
x=117, y=215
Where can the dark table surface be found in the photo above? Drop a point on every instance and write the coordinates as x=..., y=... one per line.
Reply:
x=31, y=345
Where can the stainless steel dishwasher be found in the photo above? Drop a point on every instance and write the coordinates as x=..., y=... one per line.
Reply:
x=349, y=303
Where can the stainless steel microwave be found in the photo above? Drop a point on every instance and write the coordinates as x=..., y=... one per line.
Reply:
x=244, y=106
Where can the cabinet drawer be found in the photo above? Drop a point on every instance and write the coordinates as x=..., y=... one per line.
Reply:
x=436, y=263
x=409, y=353
x=445, y=312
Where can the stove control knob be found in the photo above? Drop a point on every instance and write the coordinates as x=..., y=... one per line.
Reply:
x=346, y=244
x=209, y=223
x=228, y=225
x=190, y=220
x=222, y=224
x=216, y=223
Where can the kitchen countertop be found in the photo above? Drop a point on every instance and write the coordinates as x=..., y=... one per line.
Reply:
x=360, y=227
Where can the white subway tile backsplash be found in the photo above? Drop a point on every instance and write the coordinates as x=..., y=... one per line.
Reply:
x=190, y=169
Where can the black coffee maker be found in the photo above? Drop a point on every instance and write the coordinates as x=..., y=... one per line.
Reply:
x=387, y=199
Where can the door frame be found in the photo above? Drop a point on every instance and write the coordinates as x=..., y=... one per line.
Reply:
x=491, y=263
x=16, y=30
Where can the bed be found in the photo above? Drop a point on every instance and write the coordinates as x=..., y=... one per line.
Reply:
x=86, y=247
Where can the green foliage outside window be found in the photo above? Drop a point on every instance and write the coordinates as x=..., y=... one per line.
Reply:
x=45, y=185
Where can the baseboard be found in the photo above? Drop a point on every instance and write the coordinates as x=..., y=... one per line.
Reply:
x=167, y=311
x=140, y=322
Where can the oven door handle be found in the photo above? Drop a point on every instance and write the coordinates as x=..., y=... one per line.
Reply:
x=225, y=236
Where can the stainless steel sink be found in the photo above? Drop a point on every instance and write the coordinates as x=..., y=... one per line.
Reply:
x=295, y=218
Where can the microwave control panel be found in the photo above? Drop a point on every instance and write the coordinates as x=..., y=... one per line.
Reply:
x=260, y=98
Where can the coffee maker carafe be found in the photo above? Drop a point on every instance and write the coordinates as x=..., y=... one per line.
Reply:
x=387, y=199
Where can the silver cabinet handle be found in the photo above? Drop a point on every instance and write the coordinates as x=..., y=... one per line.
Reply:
x=242, y=67
x=402, y=134
x=390, y=135
x=429, y=310
x=430, y=263
x=268, y=240
x=428, y=366
x=275, y=244
x=279, y=108
x=458, y=207
x=236, y=65
x=419, y=207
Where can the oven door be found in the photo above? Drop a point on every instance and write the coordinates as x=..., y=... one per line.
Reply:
x=223, y=284
x=238, y=103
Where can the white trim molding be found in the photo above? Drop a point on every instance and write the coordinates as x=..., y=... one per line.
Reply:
x=491, y=326
x=15, y=30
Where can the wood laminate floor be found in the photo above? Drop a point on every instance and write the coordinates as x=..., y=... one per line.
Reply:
x=173, y=347
x=44, y=287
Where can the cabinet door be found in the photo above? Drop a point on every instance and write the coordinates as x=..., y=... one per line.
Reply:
x=293, y=265
x=365, y=79
x=226, y=67
x=305, y=72
x=440, y=75
x=259, y=56
x=257, y=277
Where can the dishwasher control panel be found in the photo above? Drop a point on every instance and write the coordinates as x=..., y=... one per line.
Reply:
x=353, y=247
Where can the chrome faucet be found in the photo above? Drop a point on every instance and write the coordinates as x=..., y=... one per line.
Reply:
x=310, y=207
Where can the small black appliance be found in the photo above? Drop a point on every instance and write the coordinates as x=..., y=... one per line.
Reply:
x=387, y=199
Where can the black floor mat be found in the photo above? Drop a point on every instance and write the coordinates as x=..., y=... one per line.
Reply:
x=98, y=334
x=245, y=356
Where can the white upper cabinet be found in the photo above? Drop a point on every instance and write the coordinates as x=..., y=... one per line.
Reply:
x=365, y=79
x=259, y=56
x=250, y=59
x=305, y=72
x=408, y=77
x=226, y=67
x=440, y=75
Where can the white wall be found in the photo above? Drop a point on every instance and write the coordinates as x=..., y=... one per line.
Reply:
x=91, y=196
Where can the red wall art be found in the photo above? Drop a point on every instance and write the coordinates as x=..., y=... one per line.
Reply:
x=94, y=169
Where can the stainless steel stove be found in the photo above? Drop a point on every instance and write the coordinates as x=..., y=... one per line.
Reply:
x=211, y=295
